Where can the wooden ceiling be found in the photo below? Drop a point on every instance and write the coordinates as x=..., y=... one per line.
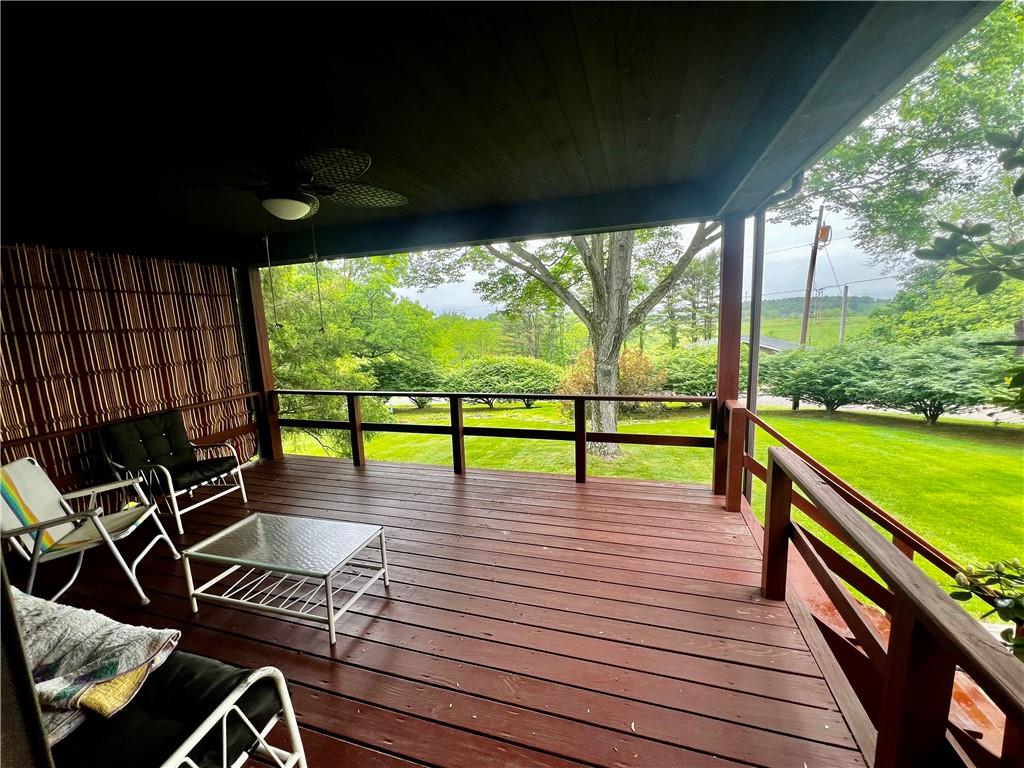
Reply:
x=125, y=124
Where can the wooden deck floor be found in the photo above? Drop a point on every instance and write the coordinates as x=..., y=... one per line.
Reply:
x=529, y=622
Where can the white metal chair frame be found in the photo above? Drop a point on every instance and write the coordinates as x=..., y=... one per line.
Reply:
x=91, y=516
x=294, y=757
x=173, y=493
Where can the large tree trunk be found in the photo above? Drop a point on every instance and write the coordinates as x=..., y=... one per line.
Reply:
x=605, y=414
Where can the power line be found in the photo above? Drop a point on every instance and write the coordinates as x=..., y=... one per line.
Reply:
x=805, y=245
x=830, y=264
x=827, y=287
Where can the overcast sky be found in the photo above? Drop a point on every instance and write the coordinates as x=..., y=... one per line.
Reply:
x=787, y=250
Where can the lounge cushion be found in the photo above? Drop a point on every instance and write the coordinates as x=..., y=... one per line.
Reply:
x=187, y=475
x=159, y=438
x=175, y=699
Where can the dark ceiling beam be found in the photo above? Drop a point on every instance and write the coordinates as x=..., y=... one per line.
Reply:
x=624, y=209
x=887, y=47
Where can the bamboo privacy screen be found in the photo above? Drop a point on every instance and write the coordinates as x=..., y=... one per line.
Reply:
x=88, y=339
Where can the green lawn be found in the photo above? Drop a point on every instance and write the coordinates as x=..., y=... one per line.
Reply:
x=822, y=331
x=959, y=484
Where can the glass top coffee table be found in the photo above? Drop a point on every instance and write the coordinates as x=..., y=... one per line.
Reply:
x=289, y=566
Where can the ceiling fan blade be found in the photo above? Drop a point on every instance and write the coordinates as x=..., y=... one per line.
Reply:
x=335, y=165
x=365, y=196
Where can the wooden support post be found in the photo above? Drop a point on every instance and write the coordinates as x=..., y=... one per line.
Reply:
x=734, y=471
x=579, y=409
x=458, y=436
x=778, y=507
x=355, y=418
x=730, y=319
x=916, y=695
x=255, y=336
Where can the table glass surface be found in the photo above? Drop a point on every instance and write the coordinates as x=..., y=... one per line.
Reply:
x=288, y=543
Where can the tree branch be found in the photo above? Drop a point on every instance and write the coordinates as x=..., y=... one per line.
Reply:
x=592, y=262
x=705, y=235
x=535, y=268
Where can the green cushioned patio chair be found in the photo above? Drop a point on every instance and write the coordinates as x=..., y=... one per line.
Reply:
x=40, y=524
x=158, y=447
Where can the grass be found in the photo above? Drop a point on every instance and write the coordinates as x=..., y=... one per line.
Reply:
x=822, y=331
x=959, y=484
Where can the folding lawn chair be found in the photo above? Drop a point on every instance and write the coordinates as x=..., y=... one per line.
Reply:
x=41, y=526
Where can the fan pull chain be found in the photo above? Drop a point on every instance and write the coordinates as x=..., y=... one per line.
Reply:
x=270, y=273
x=316, y=270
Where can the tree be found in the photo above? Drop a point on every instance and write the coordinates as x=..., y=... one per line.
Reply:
x=940, y=375
x=610, y=281
x=936, y=302
x=923, y=157
x=306, y=357
x=697, y=295
x=393, y=374
x=829, y=376
x=505, y=375
x=328, y=373
x=978, y=254
x=458, y=338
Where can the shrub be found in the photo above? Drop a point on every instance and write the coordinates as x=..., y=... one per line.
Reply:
x=829, y=376
x=637, y=376
x=941, y=375
x=393, y=374
x=693, y=370
x=505, y=375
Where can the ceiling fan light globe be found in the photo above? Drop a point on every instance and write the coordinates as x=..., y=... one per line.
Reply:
x=287, y=208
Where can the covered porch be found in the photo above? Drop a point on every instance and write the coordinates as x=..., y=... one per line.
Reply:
x=529, y=621
x=532, y=620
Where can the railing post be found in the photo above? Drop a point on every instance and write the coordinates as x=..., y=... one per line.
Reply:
x=355, y=420
x=579, y=410
x=458, y=436
x=916, y=695
x=903, y=545
x=734, y=471
x=778, y=507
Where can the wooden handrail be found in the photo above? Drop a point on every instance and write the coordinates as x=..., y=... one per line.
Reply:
x=930, y=633
x=458, y=430
x=906, y=539
x=505, y=396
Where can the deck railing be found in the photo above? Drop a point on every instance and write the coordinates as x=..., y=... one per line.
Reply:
x=929, y=634
x=458, y=430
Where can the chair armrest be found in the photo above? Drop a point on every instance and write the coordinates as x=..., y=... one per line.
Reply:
x=50, y=523
x=103, y=488
x=229, y=446
x=217, y=718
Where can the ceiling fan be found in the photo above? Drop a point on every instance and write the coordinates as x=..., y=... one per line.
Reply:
x=296, y=190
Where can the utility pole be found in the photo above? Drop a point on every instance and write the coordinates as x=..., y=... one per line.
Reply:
x=842, y=314
x=810, y=278
x=804, y=320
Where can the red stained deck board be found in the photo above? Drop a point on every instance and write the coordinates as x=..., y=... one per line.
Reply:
x=557, y=637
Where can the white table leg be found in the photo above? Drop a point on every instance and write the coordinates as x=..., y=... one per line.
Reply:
x=190, y=585
x=384, y=558
x=330, y=609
